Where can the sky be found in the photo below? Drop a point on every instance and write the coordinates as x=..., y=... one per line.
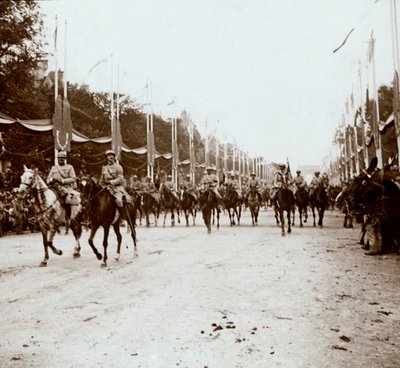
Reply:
x=261, y=73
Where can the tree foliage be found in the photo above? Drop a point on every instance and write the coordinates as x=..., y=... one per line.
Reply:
x=21, y=50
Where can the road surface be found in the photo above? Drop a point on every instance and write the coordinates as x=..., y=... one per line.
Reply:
x=238, y=297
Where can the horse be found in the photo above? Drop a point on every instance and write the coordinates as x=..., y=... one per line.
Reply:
x=102, y=211
x=285, y=202
x=150, y=205
x=254, y=204
x=188, y=205
x=319, y=200
x=375, y=192
x=137, y=201
x=169, y=203
x=233, y=204
x=208, y=202
x=50, y=213
x=302, y=199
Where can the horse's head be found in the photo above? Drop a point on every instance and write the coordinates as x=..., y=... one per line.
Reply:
x=28, y=180
x=365, y=188
x=88, y=188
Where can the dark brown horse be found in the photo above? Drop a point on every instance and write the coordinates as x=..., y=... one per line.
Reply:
x=169, y=203
x=188, y=205
x=208, y=203
x=319, y=201
x=285, y=202
x=150, y=206
x=102, y=211
x=375, y=192
x=254, y=204
x=233, y=204
x=302, y=200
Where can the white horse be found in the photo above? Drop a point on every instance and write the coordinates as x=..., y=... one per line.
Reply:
x=50, y=213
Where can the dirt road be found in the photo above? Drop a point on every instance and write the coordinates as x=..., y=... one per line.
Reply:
x=238, y=297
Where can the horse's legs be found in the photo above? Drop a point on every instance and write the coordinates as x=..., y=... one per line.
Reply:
x=313, y=214
x=165, y=216
x=282, y=219
x=93, y=231
x=218, y=211
x=52, y=233
x=321, y=211
x=76, y=228
x=173, y=217
x=148, y=219
x=289, y=213
x=131, y=220
x=46, y=249
x=300, y=215
x=105, y=245
x=119, y=240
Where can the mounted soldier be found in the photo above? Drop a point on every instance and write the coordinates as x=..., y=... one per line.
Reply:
x=299, y=181
x=170, y=186
x=112, y=176
x=62, y=178
x=210, y=181
x=280, y=180
x=150, y=188
x=234, y=183
x=253, y=183
x=136, y=184
x=316, y=181
x=189, y=187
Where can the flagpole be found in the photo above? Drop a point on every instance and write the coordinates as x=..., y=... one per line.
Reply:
x=191, y=151
x=112, y=105
x=55, y=79
x=148, y=129
x=152, y=143
x=65, y=59
x=364, y=147
x=396, y=60
x=377, y=138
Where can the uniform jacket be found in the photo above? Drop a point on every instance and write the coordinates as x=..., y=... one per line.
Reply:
x=64, y=174
x=113, y=175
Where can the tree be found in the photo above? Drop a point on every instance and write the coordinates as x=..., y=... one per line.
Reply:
x=21, y=51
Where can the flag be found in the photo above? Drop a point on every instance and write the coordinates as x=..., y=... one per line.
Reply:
x=116, y=139
x=288, y=171
x=66, y=131
x=97, y=64
x=62, y=124
x=55, y=38
x=342, y=44
x=371, y=48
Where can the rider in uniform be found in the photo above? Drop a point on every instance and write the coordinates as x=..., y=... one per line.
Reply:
x=62, y=177
x=189, y=187
x=279, y=180
x=112, y=176
x=234, y=183
x=170, y=186
x=150, y=188
x=316, y=181
x=210, y=180
x=253, y=183
x=298, y=182
x=136, y=184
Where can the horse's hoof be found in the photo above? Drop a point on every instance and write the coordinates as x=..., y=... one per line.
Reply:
x=76, y=255
x=59, y=253
x=135, y=255
x=116, y=258
x=43, y=264
x=103, y=265
x=301, y=224
x=99, y=256
x=289, y=231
